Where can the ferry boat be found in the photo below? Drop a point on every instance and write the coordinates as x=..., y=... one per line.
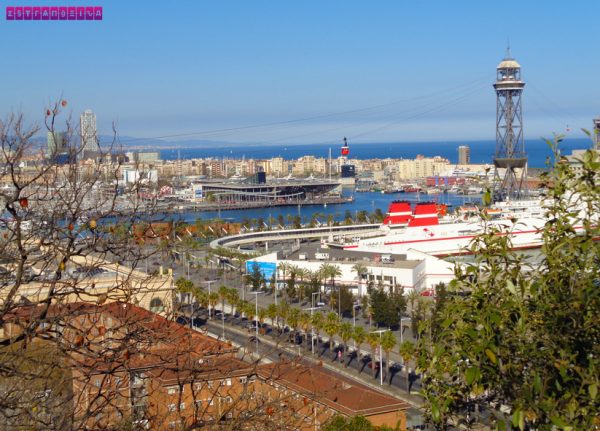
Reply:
x=430, y=229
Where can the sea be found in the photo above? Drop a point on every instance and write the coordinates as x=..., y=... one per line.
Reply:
x=363, y=201
x=538, y=151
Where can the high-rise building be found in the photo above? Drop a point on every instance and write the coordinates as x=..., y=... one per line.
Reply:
x=89, y=138
x=55, y=143
x=464, y=155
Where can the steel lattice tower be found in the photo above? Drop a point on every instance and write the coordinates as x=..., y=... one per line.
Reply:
x=597, y=134
x=510, y=147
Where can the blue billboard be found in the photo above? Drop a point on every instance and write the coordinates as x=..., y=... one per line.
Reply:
x=267, y=269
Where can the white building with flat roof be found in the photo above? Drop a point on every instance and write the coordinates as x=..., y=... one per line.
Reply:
x=413, y=271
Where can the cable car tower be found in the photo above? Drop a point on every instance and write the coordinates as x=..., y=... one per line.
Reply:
x=510, y=153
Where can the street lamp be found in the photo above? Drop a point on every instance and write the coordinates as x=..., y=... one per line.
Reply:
x=256, y=293
x=380, y=331
x=209, y=282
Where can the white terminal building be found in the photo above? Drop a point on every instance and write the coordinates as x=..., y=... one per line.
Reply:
x=412, y=271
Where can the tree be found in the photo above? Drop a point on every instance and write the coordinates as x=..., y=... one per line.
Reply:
x=361, y=270
x=294, y=321
x=223, y=293
x=291, y=290
x=283, y=311
x=361, y=216
x=233, y=297
x=330, y=220
x=272, y=313
x=262, y=314
x=365, y=305
x=305, y=323
x=521, y=334
x=184, y=285
x=345, y=331
x=317, y=322
x=346, y=301
x=348, y=218
x=331, y=328
x=407, y=352
x=255, y=277
x=359, y=336
x=64, y=225
x=213, y=300
x=413, y=297
x=388, y=342
x=314, y=283
x=355, y=423
x=387, y=308
x=331, y=271
x=303, y=274
x=373, y=340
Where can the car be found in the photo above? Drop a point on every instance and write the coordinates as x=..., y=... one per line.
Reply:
x=320, y=304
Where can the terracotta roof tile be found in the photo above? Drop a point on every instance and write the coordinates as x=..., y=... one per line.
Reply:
x=338, y=392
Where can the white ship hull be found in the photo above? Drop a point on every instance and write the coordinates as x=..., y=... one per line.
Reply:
x=452, y=238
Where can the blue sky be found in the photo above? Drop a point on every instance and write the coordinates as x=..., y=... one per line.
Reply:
x=387, y=70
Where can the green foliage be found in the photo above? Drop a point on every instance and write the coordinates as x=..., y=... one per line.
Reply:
x=387, y=308
x=184, y=285
x=521, y=334
x=379, y=216
x=255, y=278
x=331, y=327
x=346, y=300
x=345, y=331
x=356, y=423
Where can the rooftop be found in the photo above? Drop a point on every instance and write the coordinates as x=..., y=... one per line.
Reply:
x=338, y=255
x=336, y=391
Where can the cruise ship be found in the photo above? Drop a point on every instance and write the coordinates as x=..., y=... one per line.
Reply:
x=428, y=228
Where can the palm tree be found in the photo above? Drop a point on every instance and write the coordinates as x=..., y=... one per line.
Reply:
x=330, y=220
x=272, y=313
x=303, y=274
x=407, y=351
x=373, y=340
x=294, y=321
x=317, y=322
x=233, y=297
x=361, y=270
x=249, y=310
x=388, y=342
x=291, y=283
x=223, y=293
x=202, y=297
x=413, y=299
x=332, y=271
x=331, y=327
x=262, y=313
x=283, y=267
x=359, y=335
x=213, y=299
x=283, y=310
x=345, y=332
x=305, y=325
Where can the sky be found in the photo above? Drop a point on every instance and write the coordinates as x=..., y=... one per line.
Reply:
x=310, y=71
